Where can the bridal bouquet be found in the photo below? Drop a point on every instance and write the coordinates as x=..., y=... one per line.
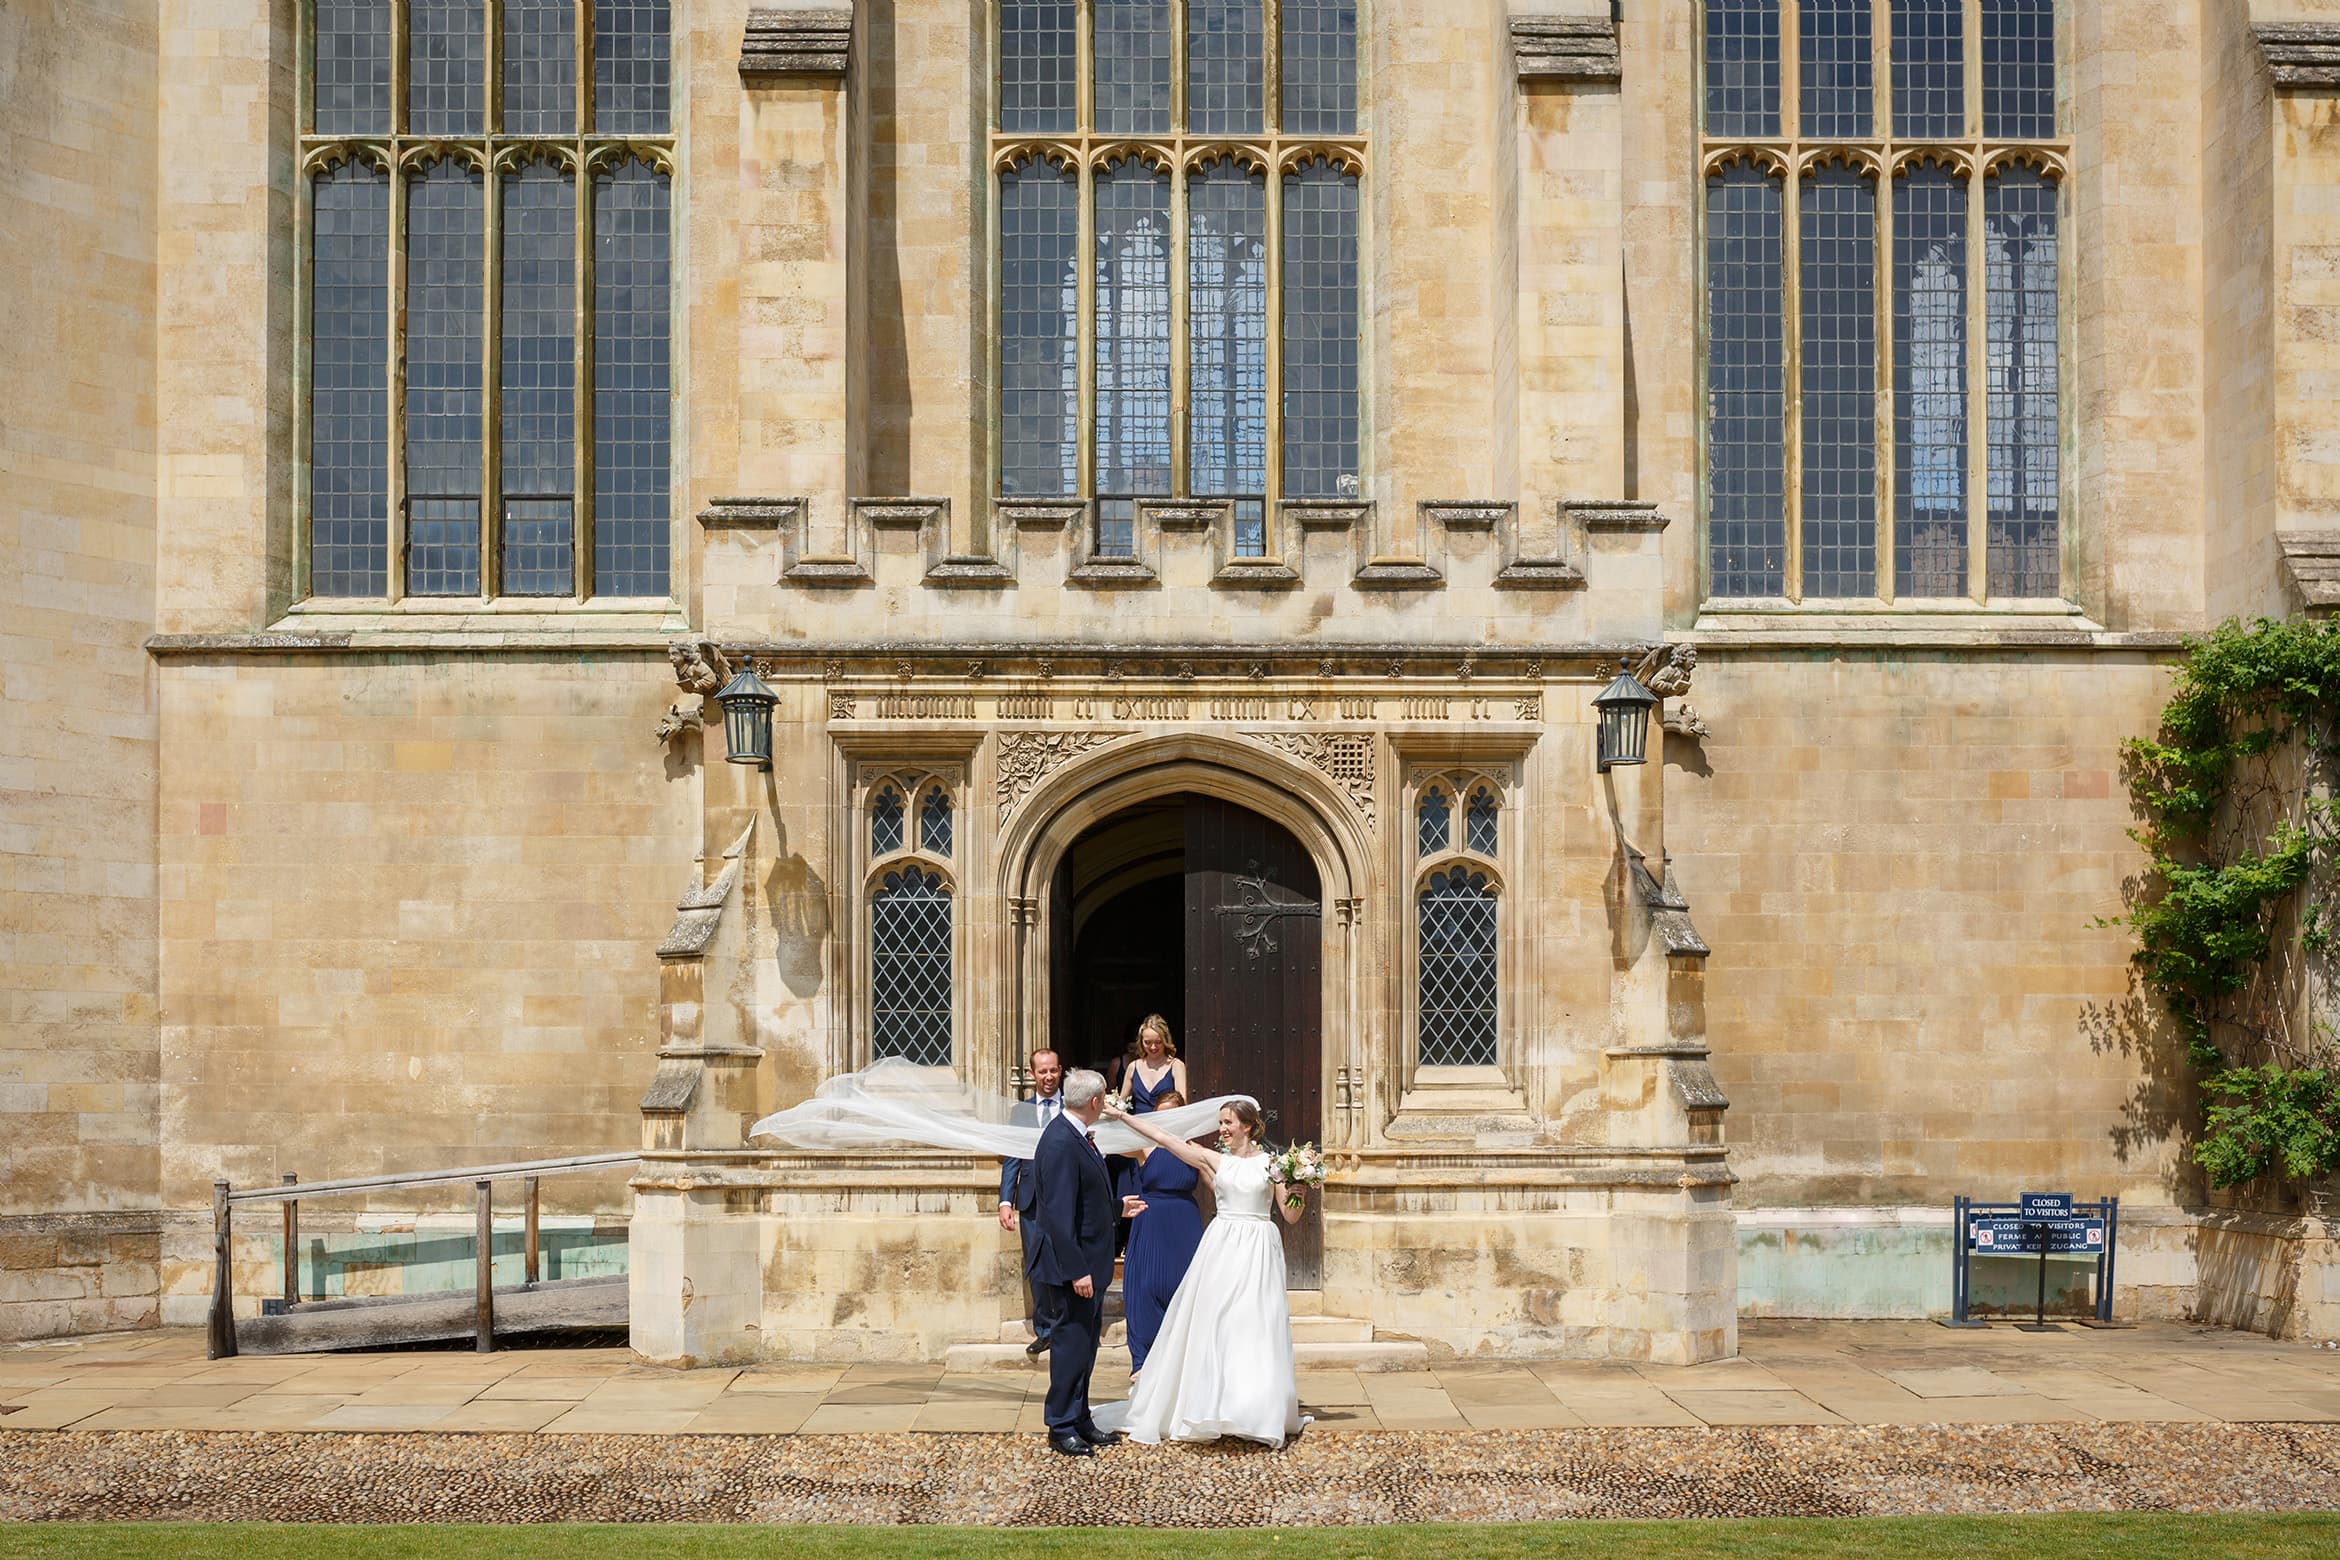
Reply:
x=1119, y=1102
x=1299, y=1166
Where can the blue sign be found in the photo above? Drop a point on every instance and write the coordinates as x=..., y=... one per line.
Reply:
x=2037, y=1205
x=2012, y=1234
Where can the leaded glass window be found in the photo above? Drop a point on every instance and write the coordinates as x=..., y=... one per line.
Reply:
x=1433, y=821
x=934, y=822
x=910, y=967
x=1479, y=834
x=1456, y=951
x=524, y=147
x=885, y=822
x=1897, y=172
x=1207, y=343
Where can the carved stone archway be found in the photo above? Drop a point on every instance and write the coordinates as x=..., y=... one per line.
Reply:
x=1113, y=771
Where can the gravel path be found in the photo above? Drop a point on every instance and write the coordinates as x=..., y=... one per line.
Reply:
x=1320, y=1480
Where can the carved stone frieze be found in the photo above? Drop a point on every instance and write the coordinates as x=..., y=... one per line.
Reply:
x=1028, y=757
x=1345, y=758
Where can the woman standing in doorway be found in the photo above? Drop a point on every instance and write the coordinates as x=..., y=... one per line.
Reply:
x=1157, y=1070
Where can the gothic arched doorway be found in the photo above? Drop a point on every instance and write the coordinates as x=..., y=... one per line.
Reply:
x=1210, y=914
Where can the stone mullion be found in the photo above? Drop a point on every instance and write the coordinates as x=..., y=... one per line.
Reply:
x=491, y=344
x=1181, y=325
x=1271, y=73
x=1272, y=469
x=1791, y=315
x=304, y=297
x=1881, y=372
x=581, y=469
x=1271, y=120
x=1978, y=406
x=1881, y=104
x=1085, y=308
x=1791, y=324
x=394, y=583
x=585, y=77
x=394, y=565
x=491, y=407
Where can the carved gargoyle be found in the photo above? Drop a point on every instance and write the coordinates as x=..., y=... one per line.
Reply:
x=678, y=719
x=1683, y=720
x=700, y=666
x=1666, y=672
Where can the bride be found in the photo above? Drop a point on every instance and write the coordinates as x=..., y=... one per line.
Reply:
x=1222, y=1363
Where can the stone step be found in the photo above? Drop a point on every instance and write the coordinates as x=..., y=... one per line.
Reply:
x=1366, y=1356
x=1306, y=1328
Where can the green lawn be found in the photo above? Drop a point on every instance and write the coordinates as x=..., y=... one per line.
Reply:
x=2122, y=1537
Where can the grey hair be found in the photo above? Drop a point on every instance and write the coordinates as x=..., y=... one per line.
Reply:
x=1081, y=1086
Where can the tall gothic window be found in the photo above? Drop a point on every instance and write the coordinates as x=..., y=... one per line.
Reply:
x=908, y=890
x=487, y=276
x=1178, y=222
x=1458, y=987
x=1884, y=182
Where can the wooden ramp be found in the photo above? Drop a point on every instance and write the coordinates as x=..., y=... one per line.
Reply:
x=561, y=1305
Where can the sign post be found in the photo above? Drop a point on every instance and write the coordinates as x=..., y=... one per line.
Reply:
x=2040, y=1224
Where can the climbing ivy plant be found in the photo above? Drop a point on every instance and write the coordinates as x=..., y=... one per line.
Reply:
x=2236, y=796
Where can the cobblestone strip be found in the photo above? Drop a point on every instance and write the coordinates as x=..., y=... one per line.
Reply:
x=1320, y=1480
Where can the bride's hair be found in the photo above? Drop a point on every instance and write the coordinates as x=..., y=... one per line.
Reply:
x=1253, y=1123
x=1160, y=1026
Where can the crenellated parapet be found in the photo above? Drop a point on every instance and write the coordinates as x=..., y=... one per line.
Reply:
x=1560, y=566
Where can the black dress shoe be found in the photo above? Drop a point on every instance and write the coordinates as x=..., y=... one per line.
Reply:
x=1070, y=1445
x=1036, y=1346
x=1097, y=1437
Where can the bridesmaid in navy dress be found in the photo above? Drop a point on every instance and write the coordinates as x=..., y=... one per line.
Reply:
x=1162, y=1239
x=1156, y=1070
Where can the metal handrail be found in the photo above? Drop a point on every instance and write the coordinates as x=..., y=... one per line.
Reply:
x=294, y=1191
x=291, y=1193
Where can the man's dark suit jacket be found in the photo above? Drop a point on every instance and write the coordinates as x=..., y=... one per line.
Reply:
x=1073, y=1207
x=1015, y=1175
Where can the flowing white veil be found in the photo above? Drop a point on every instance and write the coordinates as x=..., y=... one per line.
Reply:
x=894, y=1102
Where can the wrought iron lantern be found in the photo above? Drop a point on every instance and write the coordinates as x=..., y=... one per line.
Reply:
x=1624, y=705
x=747, y=702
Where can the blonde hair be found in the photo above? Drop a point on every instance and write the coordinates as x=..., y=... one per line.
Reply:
x=1156, y=1021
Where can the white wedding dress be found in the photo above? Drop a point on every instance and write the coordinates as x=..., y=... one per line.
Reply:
x=1222, y=1363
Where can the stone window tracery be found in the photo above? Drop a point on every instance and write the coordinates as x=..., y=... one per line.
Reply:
x=1883, y=193
x=1457, y=922
x=1178, y=231
x=909, y=887
x=486, y=277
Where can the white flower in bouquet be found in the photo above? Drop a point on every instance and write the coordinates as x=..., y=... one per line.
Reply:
x=1119, y=1102
x=1300, y=1166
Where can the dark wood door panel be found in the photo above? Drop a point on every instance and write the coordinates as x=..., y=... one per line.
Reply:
x=1254, y=983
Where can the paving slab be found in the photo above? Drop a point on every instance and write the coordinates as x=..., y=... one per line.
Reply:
x=759, y=1413
x=1752, y=1407
x=503, y=1414
x=1958, y=1381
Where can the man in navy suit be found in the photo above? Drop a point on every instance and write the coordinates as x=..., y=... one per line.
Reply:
x=1071, y=1266
x=1016, y=1181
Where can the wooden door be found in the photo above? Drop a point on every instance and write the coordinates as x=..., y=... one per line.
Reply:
x=1254, y=984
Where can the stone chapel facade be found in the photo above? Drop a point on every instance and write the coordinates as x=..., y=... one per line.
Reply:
x=1184, y=468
